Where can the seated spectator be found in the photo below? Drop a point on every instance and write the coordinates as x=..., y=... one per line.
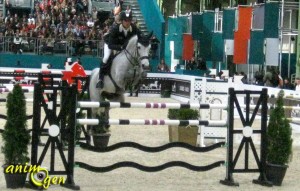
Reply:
x=259, y=78
x=94, y=14
x=31, y=19
x=191, y=64
x=244, y=79
x=17, y=43
x=49, y=44
x=201, y=64
x=163, y=67
x=287, y=84
x=79, y=46
x=31, y=25
x=297, y=85
x=90, y=23
x=268, y=79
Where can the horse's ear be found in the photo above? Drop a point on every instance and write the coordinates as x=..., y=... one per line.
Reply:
x=150, y=35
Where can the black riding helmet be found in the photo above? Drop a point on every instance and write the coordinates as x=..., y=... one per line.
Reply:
x=126, y=15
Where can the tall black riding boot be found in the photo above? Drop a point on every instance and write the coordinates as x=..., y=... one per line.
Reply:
x=100, y=83
x=103, y=70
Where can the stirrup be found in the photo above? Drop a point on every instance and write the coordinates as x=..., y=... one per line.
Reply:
x=100, y=84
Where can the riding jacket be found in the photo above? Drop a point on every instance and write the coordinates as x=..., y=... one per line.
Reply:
x=119, y=36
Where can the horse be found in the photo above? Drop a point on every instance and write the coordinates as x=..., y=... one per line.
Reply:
x=127, y=69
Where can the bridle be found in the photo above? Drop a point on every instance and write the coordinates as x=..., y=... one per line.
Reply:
x=136, y=57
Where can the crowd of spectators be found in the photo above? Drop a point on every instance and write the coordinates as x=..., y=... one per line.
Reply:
x=69, y=23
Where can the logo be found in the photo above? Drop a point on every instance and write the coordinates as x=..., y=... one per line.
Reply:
x=39, y=176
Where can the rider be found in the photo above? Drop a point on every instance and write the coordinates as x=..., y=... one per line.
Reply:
x=116, y=40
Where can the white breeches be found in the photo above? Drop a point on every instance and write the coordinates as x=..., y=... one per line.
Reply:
x=107, y=52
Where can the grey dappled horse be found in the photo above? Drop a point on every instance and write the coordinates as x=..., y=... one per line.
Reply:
x=126, y=69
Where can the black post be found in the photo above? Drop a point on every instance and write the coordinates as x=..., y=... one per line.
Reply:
x=36, y=121
x=262, y=180
x=230, y=117
x=264, y=119
x=63, y=104
x=71, y=149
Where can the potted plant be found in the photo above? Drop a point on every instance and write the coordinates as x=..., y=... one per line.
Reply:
x=16, y=138
x=279, y=140
x=187, y=134
x=101, y=133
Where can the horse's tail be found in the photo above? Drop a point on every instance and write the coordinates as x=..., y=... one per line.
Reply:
x=94, y=71
x=92, y=86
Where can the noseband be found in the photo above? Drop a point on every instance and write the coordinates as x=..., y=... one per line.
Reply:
x=144, y=57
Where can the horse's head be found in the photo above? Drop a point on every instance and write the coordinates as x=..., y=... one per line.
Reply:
x=143, y=47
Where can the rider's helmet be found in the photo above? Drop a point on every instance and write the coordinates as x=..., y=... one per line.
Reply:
x=126, y=15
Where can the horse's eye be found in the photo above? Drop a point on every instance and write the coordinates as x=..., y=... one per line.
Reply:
x=138, y=47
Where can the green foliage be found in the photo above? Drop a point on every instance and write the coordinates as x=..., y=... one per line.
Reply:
x=67, y=105
x=183, y=114
x=16, y=136
x=279, y=134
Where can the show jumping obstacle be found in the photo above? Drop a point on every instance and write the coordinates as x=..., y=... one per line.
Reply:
x=57, y=119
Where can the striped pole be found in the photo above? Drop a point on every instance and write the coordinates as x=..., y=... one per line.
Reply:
x=29, y=100
x=152, y=122
x=17, y=78
x=85, y=104
x=295, y=96
x=11, y=70
x=34, y=71
x=2, y=90
x=293, y=120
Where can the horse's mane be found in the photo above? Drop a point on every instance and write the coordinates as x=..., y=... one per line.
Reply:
x=132, y=42
x=144, y=40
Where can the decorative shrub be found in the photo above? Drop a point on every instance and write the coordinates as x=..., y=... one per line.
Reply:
x=279, y=134
x=183, y=114
x=16, y=137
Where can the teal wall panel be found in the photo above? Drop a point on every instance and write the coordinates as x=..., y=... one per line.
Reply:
x=35, y=61
x=217, y=47
x=196, y=26
x=228, y=23
x=206, y=35
x=176, y=27
x=178, y=45
x=256, y=54
x=285, y=64
x=271, y=19
x=173, y=28
x=167, y=51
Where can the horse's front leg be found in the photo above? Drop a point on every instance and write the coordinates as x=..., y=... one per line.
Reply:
x=106, y=112
x=101, y=115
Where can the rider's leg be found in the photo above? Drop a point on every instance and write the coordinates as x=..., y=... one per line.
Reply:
x=103, y=66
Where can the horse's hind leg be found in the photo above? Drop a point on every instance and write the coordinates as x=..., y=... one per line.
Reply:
x=119, y=98
x=106, y=113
